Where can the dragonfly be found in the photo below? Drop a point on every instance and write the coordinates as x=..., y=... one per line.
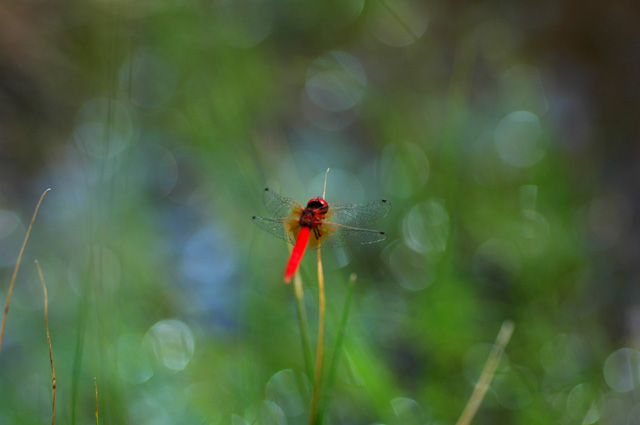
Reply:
x=320, y=224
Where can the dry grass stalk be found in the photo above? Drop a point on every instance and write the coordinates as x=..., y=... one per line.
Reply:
x=46, y=325
x=15, y=270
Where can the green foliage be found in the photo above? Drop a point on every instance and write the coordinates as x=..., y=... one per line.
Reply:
x=164, y=122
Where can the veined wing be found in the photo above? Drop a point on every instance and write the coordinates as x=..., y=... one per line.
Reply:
x=336, y=235
x=278, y=227
x=358, y=215
x=280, y=206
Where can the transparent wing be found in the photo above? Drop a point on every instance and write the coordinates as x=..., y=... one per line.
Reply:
x=358, y=215
x=343, y=225
x=280, y=206
x=336, y=235
x=278, y=227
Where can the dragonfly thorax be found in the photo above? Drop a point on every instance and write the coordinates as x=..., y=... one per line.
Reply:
x=314, y=213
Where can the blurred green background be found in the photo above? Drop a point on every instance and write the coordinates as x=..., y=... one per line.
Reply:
x=505, y=134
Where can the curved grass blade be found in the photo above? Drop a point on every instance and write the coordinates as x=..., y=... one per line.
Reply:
x=46, y=325
x=15, y=270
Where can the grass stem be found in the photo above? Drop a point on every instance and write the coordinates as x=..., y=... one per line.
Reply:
x=15, y=269
x=301, y=312
x=46, y=325
x=333, y=366
x=317, y=379
x=487, y=373
x=95, y=385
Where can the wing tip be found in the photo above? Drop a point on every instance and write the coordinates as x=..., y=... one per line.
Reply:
x=389, y=207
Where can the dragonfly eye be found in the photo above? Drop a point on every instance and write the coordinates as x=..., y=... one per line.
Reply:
x=317, y=203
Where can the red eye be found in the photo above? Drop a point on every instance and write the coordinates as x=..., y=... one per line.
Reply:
x=316, y=203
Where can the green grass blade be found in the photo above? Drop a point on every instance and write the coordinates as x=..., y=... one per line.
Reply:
x=303, y=324
x=333, y=366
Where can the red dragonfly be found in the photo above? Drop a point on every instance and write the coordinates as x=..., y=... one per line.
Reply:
x=332, y=225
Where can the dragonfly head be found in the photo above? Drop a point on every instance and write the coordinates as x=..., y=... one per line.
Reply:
x=318, y=204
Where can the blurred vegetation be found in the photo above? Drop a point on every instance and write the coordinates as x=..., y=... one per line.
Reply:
x=504, y=134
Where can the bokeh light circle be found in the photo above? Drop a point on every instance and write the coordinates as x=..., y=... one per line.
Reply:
x=157, y=173
x=398, y=22
x=614, y=408
x=172, y=343
x=98, y=136
x=409, y=268
x=514, y=387
x=323, y=118
x=336, y=81
x=244, y=23
x=290, y=390
x=496, y=258
x=11, y=234
x=621, y=369
x=580, y=400
x=272, y=414
x=426, y=228
x=518, y=139
x=407, y=410
x=9, y=222
x=536, y=231
x=344, y=14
